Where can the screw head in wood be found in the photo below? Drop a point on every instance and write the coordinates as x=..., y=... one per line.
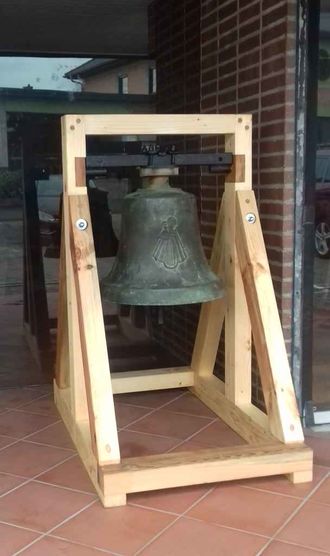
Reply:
x=250, y=217
x=81, y=224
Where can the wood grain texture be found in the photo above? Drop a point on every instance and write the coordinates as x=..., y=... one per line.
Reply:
x=237, y=172
x=205, y=466
x=80, y=435
x=73, y=145
x=268, y=337
x=237, y=321
x=87, y=406
x=164, y=124
x=80, y=163
x=210, y=390
x=154, y=379
x=92, y=333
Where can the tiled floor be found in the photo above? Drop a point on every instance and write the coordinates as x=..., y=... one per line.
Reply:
x=48, y=506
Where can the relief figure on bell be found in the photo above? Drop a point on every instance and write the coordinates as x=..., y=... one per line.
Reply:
x=169, y=250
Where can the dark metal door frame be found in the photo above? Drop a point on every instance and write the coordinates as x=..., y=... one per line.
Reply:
x=306, y=144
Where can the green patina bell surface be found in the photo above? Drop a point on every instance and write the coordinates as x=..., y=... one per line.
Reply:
x=160, y=260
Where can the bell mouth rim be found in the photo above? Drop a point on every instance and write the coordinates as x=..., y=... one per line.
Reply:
x=157, y=296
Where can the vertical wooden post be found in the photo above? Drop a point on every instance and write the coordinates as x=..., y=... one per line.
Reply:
x=73, y=145
x=237, y=322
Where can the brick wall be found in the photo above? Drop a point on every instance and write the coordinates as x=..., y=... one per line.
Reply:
x=246, y=63
x=175, y=45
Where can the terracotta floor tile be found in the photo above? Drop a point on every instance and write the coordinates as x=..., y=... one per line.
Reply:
x=124, y=530
x=191, y=405
x=169, y=424
x=321, y=449
x=6, y=440
x=44, y=406
x=19, y=424
x=310, y=527
x=176, y=500
x=48, y=546
x=126, y=414
x=246, y=509
x=138, y=444
x=40, y=507
x=282, y=485
x=15, y=397
x=193, y=538
x=189, y=446
x=277, y=548
x=54, y=435
x=41, y=388
x=323, y=493
x=8, y=482
x=71, y=474
x=218, y=434
x=149, y=399
x=28, y=460
x=14, y=538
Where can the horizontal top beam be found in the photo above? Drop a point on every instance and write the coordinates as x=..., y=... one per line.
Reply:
x=167, y=124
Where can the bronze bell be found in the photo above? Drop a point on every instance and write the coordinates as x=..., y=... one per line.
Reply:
x=160, y=259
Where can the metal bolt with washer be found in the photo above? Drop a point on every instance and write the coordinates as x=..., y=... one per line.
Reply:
x=250, y=217
x=81, y=224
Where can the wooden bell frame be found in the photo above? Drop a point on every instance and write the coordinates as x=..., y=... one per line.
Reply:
x=83, y=385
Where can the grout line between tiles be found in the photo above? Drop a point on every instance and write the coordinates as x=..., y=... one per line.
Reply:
x=77, y=543
x=179, y=516
x=223, y=526
x=49, y=445
x=20, y=527
x=152, y=411
x=53, y=528
x=41, y=397
x=154, y=435
x=281, y=493
x=25, y=402
x=292, y=515
x=193, y=435
x=31, y=434
x=187, y=414
x=63, y=487
x=317, y=550
x=30, y=479
x=38, y=413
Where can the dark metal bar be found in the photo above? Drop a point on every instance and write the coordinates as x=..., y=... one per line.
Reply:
x=222, y=161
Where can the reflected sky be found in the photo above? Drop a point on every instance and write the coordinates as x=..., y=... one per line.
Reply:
x=39, y=73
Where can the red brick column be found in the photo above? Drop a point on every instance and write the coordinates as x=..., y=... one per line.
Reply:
x=242, y=54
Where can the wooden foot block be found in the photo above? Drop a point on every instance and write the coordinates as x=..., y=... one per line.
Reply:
x=113, y=501
x=301, y=476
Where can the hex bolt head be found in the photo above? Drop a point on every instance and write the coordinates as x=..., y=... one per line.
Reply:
x=250, y=218
x=81, y=224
